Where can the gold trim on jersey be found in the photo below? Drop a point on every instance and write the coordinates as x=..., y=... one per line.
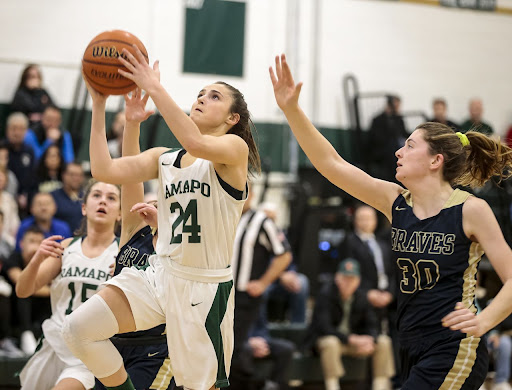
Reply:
x=164, y=376
x=408, y=197
x=463, y=364
x=468, y=289
x=457, y=197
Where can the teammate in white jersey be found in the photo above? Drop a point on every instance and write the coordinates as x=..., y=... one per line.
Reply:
x=188, y=284
x=75, y=268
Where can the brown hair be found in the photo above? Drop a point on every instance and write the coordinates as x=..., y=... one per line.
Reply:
x=24, y=74
x=471, y=165
x=82, y=229
x=243, y=127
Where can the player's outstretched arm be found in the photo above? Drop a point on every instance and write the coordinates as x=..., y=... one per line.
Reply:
x=228, y=149
x=377, y=193
x=132, y=194
x=480, y=225
x=124, y=170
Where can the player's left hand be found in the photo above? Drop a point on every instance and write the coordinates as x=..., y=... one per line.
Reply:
x=147, y=212
x=464, y=320
x=136, y=106
x=139, y=70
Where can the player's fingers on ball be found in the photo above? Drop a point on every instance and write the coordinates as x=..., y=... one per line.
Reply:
x=131, y=58
x=139, y=54
x=128, y=75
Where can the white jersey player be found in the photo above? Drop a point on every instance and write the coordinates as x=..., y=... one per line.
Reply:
x=188, y=284
x=75, y=268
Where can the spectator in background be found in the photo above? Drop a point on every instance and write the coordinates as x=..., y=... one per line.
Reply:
x=7, y=347
x=475, y=122
x=49, y=170
x=49, y=132
x=30, y=97
x=34, y=310
x=378, y=285
x=115, y=135
x=261, y=345
x=9, y=209
x=499, y=344
x=343, y=323
x=12, y=181
x=43, y=210
x=387, y=134
x=68, y=198
x=440, y=108
x=21, y=158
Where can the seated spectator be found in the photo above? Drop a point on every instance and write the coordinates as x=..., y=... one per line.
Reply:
x=30, y=97
x=343, y=323
x=34, y=310
x=49, y=170
x=287, y=296
x=50, y=132
x=261, y=345
x=7, y=346
x=21, y=159
x=12, y=181
x=43, y=209
x=475, y=121
x=499, y=344
x=9, y=209
x=115, y=135
x=68, y=198
x=439, y=107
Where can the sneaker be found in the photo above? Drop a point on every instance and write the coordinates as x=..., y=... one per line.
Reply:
x=28, y=342
x=9, y=349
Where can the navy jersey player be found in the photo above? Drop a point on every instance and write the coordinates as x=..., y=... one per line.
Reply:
x=145, y=352
x=439, y=235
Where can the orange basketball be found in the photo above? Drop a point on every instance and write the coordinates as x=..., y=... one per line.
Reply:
x=100, y=62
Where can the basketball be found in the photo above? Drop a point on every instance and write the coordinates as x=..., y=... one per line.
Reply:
x=100, y=61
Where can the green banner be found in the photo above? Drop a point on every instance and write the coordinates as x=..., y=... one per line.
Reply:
x=214, y=37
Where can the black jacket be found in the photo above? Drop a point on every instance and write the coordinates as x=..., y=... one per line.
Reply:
x=355, y=248
x=328, y=314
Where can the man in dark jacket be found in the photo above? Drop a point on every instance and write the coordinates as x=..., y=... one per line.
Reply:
x=343, y=323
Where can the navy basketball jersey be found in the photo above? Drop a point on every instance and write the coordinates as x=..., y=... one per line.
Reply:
x=437, y=263
x=135, y=253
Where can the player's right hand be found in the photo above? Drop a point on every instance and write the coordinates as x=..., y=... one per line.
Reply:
x=49, y=247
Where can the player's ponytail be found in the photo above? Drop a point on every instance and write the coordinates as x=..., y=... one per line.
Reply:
x=244, y=126
x=470, y=159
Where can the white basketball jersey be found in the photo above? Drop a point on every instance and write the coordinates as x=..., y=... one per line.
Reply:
x=79, y=279
x=197, y=218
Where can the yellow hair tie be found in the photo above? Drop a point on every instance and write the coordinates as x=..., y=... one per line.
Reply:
x=463, y=138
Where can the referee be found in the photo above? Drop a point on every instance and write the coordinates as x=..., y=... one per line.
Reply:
x=261, y=253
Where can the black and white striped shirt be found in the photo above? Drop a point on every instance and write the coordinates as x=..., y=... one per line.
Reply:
x=258, y=240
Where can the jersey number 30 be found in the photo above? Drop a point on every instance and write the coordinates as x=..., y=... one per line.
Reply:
x=188, y=218
x=422, y=275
